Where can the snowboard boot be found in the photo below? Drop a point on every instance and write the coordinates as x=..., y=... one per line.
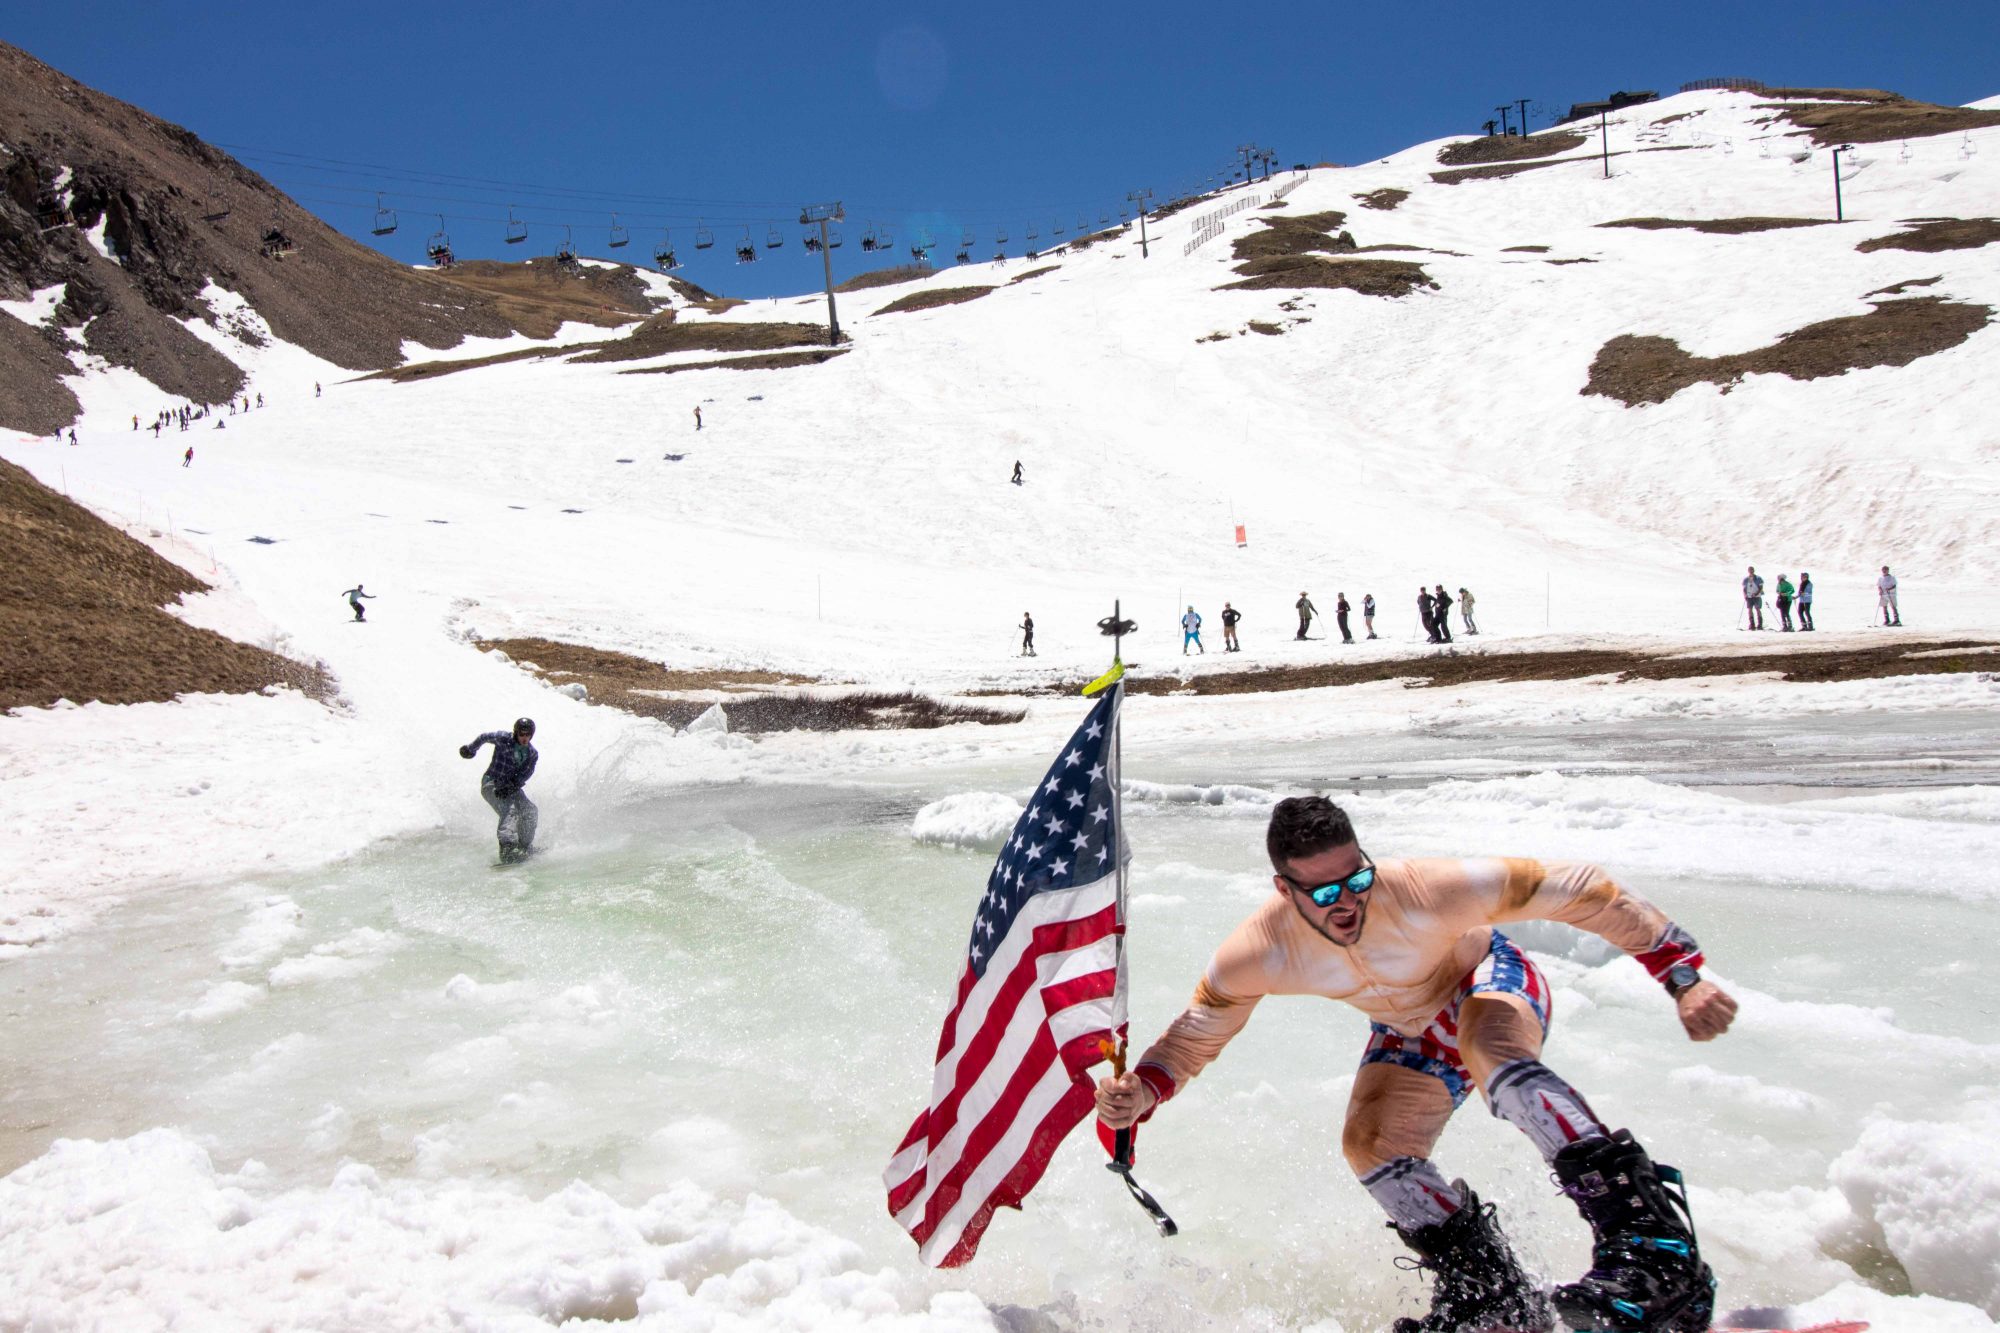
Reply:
x=1646, y=1273
x=1478, y=1285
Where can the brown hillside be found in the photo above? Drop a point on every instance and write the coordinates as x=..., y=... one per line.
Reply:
x=80, y=615
x=1508, y=148
x=1867, y=115
x=178, y=214
x=933, y=298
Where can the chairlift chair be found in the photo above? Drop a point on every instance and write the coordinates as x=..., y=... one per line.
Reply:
x=1103, y=219
x=1000, y=237
x=746, y=253
x=773, y=238
x=833, y=238
x=439, y=246
x=517, y=230
x=812, y=243
x=703, y=238
x=565, y=255
x=385, y=218
x=619, y=236
x=964, y=256
x=663, y=254
x=214, y=210
x=885, y=239
x=965, y=241
x=1056, y=228
x=868, y=241
x=1032, y=233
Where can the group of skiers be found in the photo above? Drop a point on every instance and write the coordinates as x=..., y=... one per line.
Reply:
x=1798, y=598
x=1433, y=611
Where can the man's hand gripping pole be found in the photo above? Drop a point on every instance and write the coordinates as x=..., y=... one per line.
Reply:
x=1121, y=1152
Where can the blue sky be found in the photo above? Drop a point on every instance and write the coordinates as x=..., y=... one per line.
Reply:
x=945, y=119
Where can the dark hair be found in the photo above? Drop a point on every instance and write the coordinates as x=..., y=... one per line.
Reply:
x=1303, y=826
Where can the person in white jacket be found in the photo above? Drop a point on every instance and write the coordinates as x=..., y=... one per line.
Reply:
x=1885, y=595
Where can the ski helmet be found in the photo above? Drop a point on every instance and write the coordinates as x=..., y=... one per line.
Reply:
x=522, y=724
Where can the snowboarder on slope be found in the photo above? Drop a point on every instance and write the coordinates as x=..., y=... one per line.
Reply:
x=1306, y=612
x=1368, y=613
x=1885, y=595
x=1805, y=600
x=1191, y=632
x=354, y=596
x=513, y=763
x=1027, y=628
x=1456, y=1006
x=1753, y=599
x=1340, y=610
x=1230, y=615
x=1465, y=609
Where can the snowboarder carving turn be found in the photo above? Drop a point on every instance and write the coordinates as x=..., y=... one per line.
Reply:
x=354, y=596
x=1456, y=1006
x=513, y=763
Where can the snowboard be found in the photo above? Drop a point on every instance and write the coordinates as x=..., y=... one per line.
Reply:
x=1779, y=1321
x=513, y=856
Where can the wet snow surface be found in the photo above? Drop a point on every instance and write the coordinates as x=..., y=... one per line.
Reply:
x=656, y=1071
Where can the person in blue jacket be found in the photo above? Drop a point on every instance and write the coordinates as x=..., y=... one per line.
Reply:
x=513, y=763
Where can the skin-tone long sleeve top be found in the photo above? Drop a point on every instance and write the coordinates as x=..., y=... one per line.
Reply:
x=1429, y=923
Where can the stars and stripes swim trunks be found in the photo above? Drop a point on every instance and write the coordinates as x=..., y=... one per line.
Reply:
x=1504, y=971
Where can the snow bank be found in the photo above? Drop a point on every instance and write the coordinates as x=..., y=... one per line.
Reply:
x=980, y=819
x=198, y=1247
x=1929, y=1194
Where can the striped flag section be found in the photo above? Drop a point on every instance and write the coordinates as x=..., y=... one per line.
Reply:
x=1044, y=982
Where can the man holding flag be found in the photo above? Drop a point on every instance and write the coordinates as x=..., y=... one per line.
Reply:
x=1455, y=1006
x=1041, y=995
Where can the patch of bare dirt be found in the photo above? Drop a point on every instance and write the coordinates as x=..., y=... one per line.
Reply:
x=540, y=296
x=1269, y=330
x=1299, y=234
x=766, y=361
x=1899, y=288
x=638, y=685
x=1936, y=234
x=1089, y=239
x=425, y=370
x=1370, y=277
x=81, y=617
x=722, y=305
x=1033, y=273
x=1384, y=199
x=1458, y=667
x=1526, y=250
x=1642, y=369
x=935, y=297
x=663, y=334
x=1506, y=169
x=1871, y=116
x=1509, y=148
x=885, y=277
x=1716, y=226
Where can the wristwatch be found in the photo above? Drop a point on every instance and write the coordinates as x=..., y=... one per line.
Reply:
x=1681, y=978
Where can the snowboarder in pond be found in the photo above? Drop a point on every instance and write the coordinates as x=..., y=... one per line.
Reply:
x=1785, y=591
x=1027, y=635
x=1441, y=608
x=1427, y=613
x=1805, y=600
x=1017, y=473
x=1753, y=599
x=513, y=763
x=1885, y=589
x=1191, y=632
x=354, y=596
x=1230, y=615
x=1368, y=613
x=1465, y=609
x=1340, y=610
x=1455, y=1006
x=1306, y=612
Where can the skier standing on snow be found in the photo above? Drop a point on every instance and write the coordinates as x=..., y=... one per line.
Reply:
x=1027, y=628
x=1805, y=600
x=188, y=458
x=1368, y=613
x=513, y=763
x=697, y=416
x=1017, y=473
x=1230, y=615
x=1885, y=592
x=1427, y=613
x=1340, y=610
x=1191, y=632
x=354, y=596
x=1465, y=609
x=1441, y=608
x=1753, y=599
x=1785, y=591
x=1456, y=1006
x=1306, y=612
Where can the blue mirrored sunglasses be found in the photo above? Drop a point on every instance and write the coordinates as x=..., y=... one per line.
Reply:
x=1326, y=895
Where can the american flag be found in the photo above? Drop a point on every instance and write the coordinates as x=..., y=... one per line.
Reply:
x=1044, y=982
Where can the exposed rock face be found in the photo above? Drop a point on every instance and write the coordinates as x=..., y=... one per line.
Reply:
x=175, y=215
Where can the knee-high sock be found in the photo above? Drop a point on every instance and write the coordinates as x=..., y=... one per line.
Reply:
x=1412, y=1192
x=1528, y=1095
